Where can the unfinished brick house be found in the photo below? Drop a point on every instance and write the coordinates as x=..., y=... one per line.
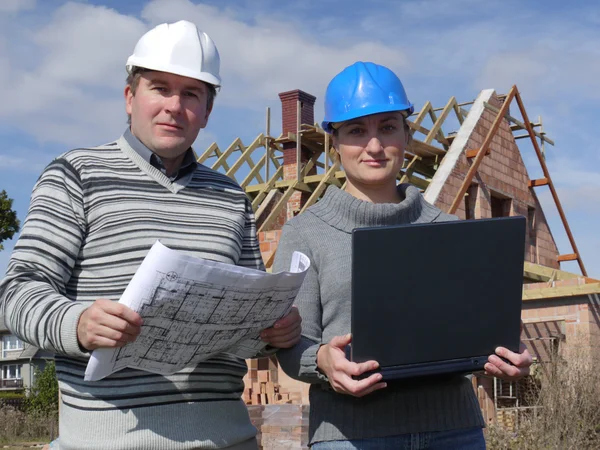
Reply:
x=474, y=171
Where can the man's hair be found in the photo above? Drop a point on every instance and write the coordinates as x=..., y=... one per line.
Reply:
x=133, y=80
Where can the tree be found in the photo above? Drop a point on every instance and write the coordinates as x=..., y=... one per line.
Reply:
x=43, y=396
x=9, y=224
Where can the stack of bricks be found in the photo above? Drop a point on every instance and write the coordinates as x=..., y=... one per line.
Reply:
x=262, y=387
x=285, y=427
x=280, y=427
x=256, y=417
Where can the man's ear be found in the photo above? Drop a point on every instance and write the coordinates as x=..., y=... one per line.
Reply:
x=208, y=111
x=128, y=99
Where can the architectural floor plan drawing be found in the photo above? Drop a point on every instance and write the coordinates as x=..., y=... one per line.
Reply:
x=193, y=309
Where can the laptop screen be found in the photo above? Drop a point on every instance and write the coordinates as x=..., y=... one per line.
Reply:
x=435, y=292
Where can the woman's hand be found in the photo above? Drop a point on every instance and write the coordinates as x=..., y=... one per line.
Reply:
x=332, y=361
x=520, y=363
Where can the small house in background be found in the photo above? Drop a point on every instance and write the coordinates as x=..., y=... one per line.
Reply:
x=18, y=361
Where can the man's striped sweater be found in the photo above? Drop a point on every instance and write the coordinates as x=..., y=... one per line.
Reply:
x=94, y=214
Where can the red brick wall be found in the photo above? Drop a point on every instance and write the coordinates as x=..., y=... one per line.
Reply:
x=502, y=173
x=289, y=112
x=268, y=243
x=279, y=221
x=581, y=314
x=289, y=106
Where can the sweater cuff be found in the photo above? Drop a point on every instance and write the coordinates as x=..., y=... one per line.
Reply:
x=308, y=365
x=69, y=331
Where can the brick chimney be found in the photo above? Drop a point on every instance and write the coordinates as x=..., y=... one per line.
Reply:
x=289, y=101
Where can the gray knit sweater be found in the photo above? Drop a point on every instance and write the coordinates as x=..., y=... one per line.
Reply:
x=324, y=233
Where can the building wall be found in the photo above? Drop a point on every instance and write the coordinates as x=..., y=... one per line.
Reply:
x=580, y=315
x=501, y=175
x=268, y=243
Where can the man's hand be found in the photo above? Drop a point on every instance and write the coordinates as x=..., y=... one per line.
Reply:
x=107, y=324
x=285, y=333
x=332, y=361
x=499, y=368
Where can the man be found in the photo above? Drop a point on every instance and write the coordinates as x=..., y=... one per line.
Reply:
x=94, y=214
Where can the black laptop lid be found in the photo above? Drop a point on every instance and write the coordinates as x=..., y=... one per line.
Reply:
x=434, y=292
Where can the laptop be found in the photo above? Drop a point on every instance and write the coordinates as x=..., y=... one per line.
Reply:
x=436, y=298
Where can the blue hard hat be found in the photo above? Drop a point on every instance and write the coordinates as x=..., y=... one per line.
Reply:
x=361, y=89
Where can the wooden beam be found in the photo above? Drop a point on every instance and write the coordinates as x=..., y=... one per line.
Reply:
x=542, y=162
x=277, y=208
x=270, y=261
x=265, y=188
x=459, y=115
x=422, y=149
x=254, y=172
x=538, y=182
x=421, y=116
x=424, y=131
x=437, y=127
x=298, y=138
x=567, y=257
x=316, y=179
x=208, y=153
x=264, y=204
x=245, y=158
x=409, y=170
x=543, y=273
x=237, y=144
x=484, y=147
x=323, y=184
x=520, y=124
x=473, y=153
x=305, y=143
x=562, y=291
x=417, y=181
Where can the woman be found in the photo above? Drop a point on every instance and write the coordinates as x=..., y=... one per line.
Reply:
x=365, y=111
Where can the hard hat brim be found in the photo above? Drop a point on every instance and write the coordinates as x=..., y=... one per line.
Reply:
x=182, y=71
x=369, y=110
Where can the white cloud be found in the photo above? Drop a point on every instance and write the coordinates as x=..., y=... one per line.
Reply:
x=69, y=90
x=67, y=87
x=14, y=6
x=270, y=56
x=543, y=69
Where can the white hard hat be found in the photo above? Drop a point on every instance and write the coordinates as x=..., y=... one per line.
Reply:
x=178, y=48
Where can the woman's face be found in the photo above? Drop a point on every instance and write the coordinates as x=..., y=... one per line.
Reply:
x=371, y=150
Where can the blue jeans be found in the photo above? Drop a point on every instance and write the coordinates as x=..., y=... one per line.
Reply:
x=462, y=439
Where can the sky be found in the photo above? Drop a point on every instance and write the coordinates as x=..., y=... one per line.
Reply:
x=62, y=73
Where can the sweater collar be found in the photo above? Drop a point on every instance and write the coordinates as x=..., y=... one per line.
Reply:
x=345, y=212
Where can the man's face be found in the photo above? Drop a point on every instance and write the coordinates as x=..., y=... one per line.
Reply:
x=167, y=112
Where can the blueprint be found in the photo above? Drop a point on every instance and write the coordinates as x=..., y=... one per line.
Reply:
x=194, y=308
